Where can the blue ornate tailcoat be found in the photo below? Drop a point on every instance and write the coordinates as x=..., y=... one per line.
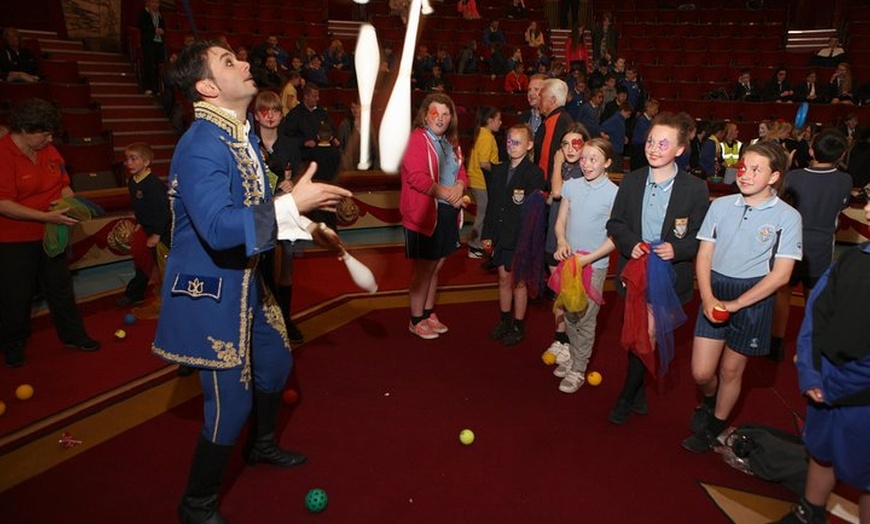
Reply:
x=223, y=218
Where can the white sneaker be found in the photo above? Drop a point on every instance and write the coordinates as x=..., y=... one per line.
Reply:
x=561, y=351
x=572, y=382
x=562, y=369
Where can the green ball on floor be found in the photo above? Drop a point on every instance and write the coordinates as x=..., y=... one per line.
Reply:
x=316, y=500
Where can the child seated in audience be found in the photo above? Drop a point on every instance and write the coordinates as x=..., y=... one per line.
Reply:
x=516, y=81
x=315, y=74
x=534, y=36
x=328, y=158
x=468, y=9
x=150, y=243
x=517, y=9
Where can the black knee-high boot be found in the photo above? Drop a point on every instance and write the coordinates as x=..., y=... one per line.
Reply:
x=263, y=446
x=633, y=377
x=628, y=396
x=285, y=298
x=200, y=502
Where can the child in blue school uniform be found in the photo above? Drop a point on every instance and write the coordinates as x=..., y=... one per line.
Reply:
x=658, y=212
x=581, y=231
x=833, y=360
x=749, y=245
x=511, y=185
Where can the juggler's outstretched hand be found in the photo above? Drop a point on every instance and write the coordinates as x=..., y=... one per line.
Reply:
x=310, y=195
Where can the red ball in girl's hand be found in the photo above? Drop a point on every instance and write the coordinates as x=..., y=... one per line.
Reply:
x=720, y=314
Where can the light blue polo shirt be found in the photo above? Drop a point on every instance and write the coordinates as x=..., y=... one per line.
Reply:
x=656, y=198
x=749, y=239
x=448, y=165
x=588, y=215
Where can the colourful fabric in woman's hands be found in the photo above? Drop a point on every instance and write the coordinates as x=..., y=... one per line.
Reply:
x=56, y=237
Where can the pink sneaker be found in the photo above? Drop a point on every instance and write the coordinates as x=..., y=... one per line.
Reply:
x=423, y=330
x=436, y=324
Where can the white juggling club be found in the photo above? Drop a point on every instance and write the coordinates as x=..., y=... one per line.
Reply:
x=396, y=123
x=362, y=276
x=367, y=61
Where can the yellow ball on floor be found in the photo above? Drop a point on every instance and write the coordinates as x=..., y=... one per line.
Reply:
x=466, y=436
x=548, y=358
x=24, y=392
x=594, y=378
x=120, y=334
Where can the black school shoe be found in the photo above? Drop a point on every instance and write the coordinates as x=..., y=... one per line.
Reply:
x=639, y=405
x=701, y=418
x=514, y=336
x=502, y=329
x=804, y=513
x=84, y=344
x=129, y=302
x=620, y=412
x=700, y=442
x=15, y=357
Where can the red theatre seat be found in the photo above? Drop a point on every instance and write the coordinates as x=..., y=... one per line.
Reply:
x=70, y=96
x=59, y=71
x=14, y=93
x=87, y=157
x=82, y=124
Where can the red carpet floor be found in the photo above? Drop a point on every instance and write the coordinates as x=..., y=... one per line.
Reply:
x=379, y=416
x=63, y=378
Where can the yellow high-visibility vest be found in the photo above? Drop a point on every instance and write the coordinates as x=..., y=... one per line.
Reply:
x=731, y=154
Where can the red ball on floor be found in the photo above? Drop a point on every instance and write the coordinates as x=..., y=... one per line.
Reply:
x=290, y=396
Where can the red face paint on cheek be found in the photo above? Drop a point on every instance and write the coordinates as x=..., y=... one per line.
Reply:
x=264, y=112
x=577, y=143
x=741, y=168
x=433, y=113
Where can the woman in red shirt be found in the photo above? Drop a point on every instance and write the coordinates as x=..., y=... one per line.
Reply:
x=32, y=179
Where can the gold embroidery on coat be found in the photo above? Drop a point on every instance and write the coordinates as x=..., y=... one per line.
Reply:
x=197, y=362
x=274, y=317
x=195, y=287
x=247, y=168
x=226, y=351
x=245, y=324
x=211, y=113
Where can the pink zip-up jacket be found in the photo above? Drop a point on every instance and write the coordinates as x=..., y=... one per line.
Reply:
x=419, y=172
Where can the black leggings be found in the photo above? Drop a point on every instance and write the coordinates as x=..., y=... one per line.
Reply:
x=633, y=378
